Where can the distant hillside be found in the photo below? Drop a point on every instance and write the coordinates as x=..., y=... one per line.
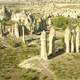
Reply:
x=41, y=1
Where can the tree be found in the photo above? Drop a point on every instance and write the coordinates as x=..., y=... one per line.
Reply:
x=60, y=22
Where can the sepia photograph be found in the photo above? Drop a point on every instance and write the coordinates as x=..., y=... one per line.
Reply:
x=39, y=39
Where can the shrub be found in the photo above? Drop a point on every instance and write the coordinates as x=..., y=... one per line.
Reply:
x=60, y=22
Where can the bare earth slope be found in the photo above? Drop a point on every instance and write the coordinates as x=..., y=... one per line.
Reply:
x=66, y=66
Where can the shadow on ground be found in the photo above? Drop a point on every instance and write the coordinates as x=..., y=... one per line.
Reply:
x=58, y=52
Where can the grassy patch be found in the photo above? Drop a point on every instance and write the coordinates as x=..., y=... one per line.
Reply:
x=66, y=67
x=61, y=22
x=9, y=60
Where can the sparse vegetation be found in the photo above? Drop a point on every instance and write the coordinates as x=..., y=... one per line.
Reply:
x=13, y=51
x=9, y=60
x=61, y=22
x=66, y=67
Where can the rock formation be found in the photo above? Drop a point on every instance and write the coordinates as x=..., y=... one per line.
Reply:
x=77, y=38
x=52, y=41
x=73, y=41
x=67, y=37
x=23, y=39
x=43, y=45
x=16, y=30
x=0, y=30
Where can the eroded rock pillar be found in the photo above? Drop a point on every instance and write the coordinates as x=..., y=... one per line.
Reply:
x=67, y=36
x=23, y=39
x=43, y=45
x=0, y=30
x=52, y=35
x=73, y=41
x=77, y=38
x=12, y=30
x=16, y=30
